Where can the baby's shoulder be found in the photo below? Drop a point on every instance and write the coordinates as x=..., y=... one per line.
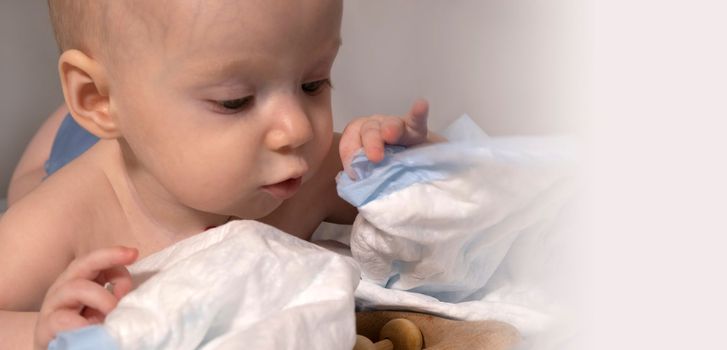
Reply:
x=36, y=245
x=39, y=236
x=63, y=203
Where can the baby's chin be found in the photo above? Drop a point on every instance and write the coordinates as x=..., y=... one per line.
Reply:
x=255, y=209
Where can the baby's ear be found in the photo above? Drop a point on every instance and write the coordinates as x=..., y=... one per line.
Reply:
x=86, y=90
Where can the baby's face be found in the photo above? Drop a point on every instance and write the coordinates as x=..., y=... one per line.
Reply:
x=224, y=100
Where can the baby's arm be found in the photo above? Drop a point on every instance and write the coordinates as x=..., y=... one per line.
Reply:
x=32, y=254
x=36, y=246
x=78, y=297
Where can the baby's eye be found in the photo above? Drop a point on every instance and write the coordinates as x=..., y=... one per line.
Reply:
x=231, y=106
x=315, y=87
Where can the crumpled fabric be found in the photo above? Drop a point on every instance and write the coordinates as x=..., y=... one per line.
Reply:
x=446, y=236
x=464, y=229
x=243, y=285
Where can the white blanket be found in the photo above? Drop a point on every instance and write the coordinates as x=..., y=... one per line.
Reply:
x=473, y=229
x=243, y=285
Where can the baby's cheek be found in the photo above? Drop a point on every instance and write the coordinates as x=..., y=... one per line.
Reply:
x=323, y=146
x=204, y=188
x=324, y=130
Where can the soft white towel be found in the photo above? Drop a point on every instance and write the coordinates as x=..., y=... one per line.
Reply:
x=471, y=229
x=243, y=285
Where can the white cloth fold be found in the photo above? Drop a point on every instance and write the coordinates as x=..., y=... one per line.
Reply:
x=467, y=230
x=243, y=285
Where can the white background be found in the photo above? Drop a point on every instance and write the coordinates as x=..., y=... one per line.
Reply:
x=29, y=88
x=657, y=108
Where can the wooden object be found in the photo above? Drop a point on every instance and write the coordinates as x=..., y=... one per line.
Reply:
x=404, y=334
x=396, y=334
x=441, y=333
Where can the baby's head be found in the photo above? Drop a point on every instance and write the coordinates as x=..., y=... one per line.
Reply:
x=211, y=101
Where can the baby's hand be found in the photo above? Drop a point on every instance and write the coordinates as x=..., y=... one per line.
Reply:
x=78, y=298
x=373, y=132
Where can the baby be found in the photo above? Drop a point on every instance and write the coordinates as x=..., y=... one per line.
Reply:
x=206, y=111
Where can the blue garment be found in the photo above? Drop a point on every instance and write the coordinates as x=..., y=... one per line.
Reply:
x=86, y=338
x=70, y=142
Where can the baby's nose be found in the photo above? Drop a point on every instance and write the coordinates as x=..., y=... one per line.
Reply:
x=291, y=128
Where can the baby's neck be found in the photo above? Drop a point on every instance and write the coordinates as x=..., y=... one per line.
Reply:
x=152, y=215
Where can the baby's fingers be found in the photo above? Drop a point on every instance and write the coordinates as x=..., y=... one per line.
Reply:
x=417, y=117
x=90, y=266
x=349, y=143
x=61, y=308
x=58, y=321
x=416, y=129
x=372, y=140
x=119, y=279
x=80, y=293
x=392, y=130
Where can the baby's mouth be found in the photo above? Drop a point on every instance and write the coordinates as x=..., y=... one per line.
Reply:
x=284, y=189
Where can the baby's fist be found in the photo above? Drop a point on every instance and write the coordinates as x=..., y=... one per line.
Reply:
x=77, y=298
x=373, y=132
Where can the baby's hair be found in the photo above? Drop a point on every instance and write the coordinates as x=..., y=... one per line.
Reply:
x=77, y=24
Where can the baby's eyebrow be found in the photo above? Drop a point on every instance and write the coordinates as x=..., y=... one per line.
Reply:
x=228, y=68
x=199, y=74
x=224, y=69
